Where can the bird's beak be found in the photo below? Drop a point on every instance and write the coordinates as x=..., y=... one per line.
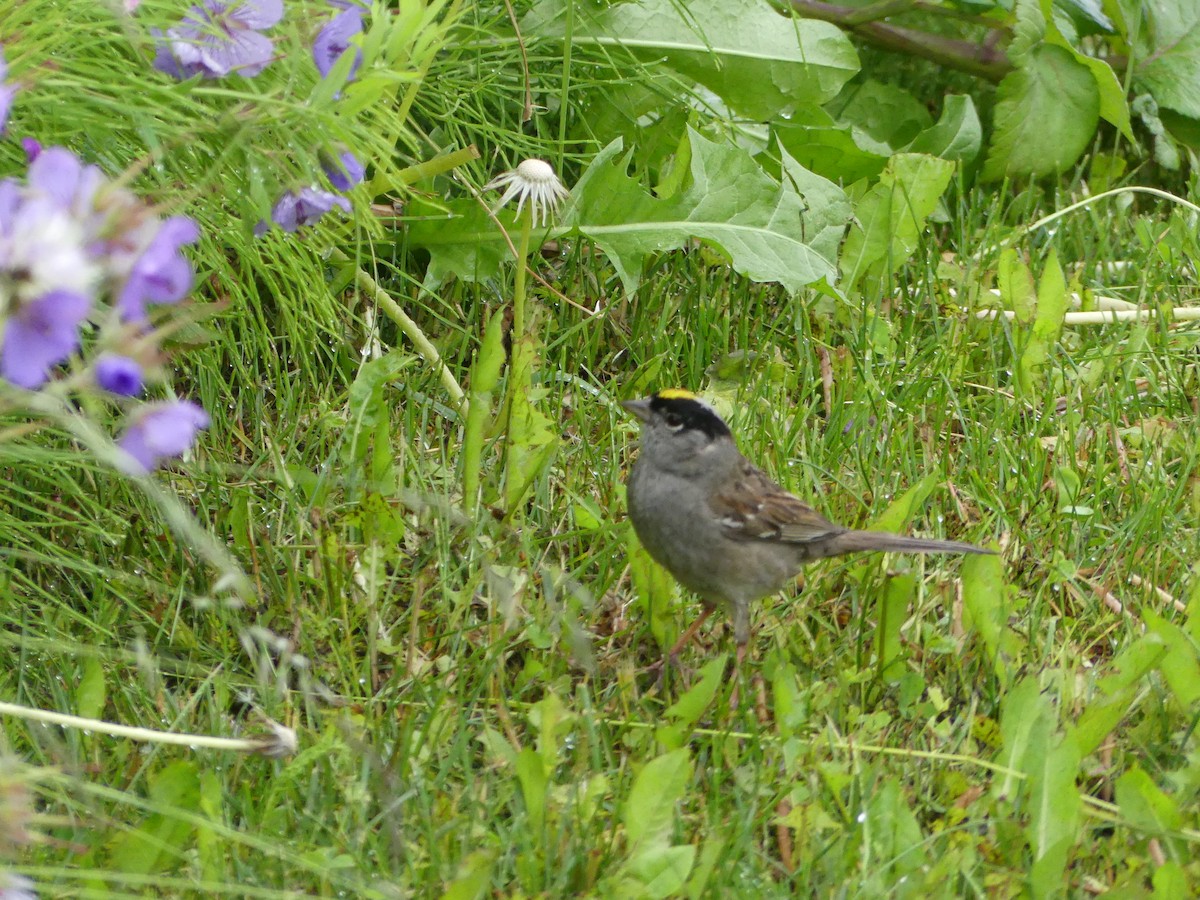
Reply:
x=640, y=408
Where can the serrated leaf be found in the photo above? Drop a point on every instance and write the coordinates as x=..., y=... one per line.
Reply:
x=1046, y=113
x=759, y=63
x=649, y=811
x=884, y=117
x=891, y=215
x=462, y=240
x=730, y=202
x=532, y=438
x=1171, y=72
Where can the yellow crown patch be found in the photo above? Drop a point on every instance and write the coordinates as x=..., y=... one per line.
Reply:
x=676, y=394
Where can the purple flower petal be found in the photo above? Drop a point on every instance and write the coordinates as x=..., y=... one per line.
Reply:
x=162, y=274
x=32, y=148
x=119, y=375
x=334, y=39
x=296, y=209
x=219, y=38
x=41, y=334
x=161, y=431
x=344, y=170
x=257, y=14
x=60, y=175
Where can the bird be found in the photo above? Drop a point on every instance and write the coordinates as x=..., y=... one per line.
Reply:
x=720, y=525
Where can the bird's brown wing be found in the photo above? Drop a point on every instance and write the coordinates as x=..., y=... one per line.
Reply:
x=753, y=507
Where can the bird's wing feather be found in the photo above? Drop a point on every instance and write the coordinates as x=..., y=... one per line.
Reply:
x=753, y=507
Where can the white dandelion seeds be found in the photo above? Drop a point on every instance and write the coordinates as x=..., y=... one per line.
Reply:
x=533, y=180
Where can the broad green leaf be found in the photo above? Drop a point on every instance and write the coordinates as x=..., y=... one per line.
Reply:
x=902, y=510
x=1118, y=691
x=1047, y=325
x=1171, y=72
x=461, y=239
x=1046, y=113
x=1015, y=283
x=957, y=135
x=891, y=835
x=985, y=600
x=1171, y=882
x=893, y=610
x=759, y=63
x=660, y=870
x=1144, y=805
x=164, y=837
x=1024, y=722
x=1180, y=668
x=90, y=694
x=654, y=591
x=883, y=116
x=891, y=215
x=1056, y=806
x=826, y=147
x=649, y=811
x=686, y=711
x=710, y=856
x=730, y=202
x=1113, y=108
x=533, y=778
x=473, y=878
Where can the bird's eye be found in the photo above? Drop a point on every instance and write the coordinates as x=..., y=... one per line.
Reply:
x=674, y=421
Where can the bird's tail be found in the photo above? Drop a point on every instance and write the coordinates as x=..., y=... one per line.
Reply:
x=858, y=541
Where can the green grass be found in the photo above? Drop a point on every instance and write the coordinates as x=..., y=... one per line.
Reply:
x=425, y=649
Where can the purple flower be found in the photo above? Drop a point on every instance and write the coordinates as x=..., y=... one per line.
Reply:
x=296, y=209
x=219, y=37
x=59, y=175
x=159, y=431
x=162, y=273
x=119, y=375
x=7, y=92
x=344, y=170
x=334, y=39
x=32, y=148
x=40, y=334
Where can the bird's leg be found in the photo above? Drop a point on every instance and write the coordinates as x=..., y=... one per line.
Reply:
x=737, y=672
x=686, y=638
